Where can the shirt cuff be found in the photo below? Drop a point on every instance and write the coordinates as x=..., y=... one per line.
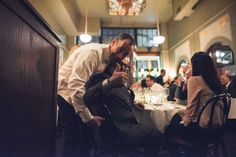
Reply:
x=106, y=86
x=85, y=115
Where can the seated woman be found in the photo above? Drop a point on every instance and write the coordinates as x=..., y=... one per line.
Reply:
x=108, y=88
x=202, y=86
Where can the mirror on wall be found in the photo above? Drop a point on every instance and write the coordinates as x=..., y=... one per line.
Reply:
x=182, y=64
x=146, y=65
x=222, y=54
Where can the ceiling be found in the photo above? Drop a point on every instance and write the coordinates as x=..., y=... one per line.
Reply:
x=66, y=17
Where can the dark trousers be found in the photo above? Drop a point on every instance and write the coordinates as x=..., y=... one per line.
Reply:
x=191, y=133
x=78, y=137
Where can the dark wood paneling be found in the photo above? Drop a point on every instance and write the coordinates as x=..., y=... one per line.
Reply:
x=28, y=76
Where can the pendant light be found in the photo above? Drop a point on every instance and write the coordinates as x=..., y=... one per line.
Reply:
x=159, y=39
x=85, y=38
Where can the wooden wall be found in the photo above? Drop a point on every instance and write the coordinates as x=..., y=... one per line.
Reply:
x=28, y=79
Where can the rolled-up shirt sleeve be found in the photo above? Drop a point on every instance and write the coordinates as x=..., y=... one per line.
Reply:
x=82, y=69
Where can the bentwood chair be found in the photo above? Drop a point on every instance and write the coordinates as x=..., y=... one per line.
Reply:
x=107, y=139
x=207, y=142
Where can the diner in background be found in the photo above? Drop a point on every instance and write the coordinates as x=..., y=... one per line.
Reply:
x=229, y=85
x=81, y=64
x=160, y=78
x=152, y=86
x=171, y=89
x=181, y=92
x=202, y=86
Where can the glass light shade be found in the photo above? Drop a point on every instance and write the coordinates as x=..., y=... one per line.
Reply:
x=126, y=7
x=159, y=39
x=85, y=38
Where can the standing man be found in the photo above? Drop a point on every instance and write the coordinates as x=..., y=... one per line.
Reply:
x=159, y=79
x=84, y=62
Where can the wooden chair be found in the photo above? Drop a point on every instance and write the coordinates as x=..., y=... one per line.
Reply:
x=107, y=139
x=209, y=138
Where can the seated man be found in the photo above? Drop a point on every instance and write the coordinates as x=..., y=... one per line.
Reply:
x=108, y=88
x=152, y=85
x=229, y=85
x=159, y=79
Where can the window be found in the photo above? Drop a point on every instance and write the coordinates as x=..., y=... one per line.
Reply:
x=110, y=33
x=145, y=37
x=146, y=65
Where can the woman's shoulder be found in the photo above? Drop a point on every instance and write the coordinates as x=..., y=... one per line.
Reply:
x=198, y=83
x=195, y=78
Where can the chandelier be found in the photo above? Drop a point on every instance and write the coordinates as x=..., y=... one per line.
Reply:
x=126, y=7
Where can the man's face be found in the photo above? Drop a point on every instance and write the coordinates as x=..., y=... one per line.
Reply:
x=119, y=50
x=188, y=73
x=149, y=82
x=163, y=73
x=224, y=80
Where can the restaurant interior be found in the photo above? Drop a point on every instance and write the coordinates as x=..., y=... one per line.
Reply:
x=38, y=36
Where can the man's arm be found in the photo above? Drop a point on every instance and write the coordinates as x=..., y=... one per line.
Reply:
x=100, y=84
x=83, y=67
x=94, y=95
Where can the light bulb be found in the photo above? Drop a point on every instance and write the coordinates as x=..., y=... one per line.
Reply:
x=159, y=39
x=85, y=38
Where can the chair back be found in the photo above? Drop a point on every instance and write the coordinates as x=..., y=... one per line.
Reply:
x=214, y=114
x=108, y=131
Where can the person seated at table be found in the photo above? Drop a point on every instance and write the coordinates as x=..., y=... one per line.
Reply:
x=152, y=85
x=229, y=85
x=108, y=88
x=181, y=91
x=143, y=83
x=202, y=86
x=172, y=88
x=159, y=79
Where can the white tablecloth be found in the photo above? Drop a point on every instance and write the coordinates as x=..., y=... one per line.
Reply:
x=158, y=117
x=232, y=111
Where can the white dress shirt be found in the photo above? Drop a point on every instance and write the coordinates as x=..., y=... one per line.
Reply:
x=83, y=62
x=157, y=88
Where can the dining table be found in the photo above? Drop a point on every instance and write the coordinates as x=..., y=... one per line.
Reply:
x=158, y=116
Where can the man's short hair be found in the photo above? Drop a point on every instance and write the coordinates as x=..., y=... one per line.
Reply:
x=124, y=36
x=151, y=77
x=163, y=70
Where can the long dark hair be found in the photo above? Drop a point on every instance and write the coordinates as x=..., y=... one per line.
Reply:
x=203, y=65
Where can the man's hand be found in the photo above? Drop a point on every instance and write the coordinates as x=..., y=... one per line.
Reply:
x=118, y=77
x=139, y=106
x=95, y=122
x=181, y=112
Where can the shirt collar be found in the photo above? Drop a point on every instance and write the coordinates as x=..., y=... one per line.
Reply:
x=106, y=53
x=228, y=84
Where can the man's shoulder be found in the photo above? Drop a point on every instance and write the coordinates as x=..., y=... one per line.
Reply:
x=159, y=78
x=157, y=85
x=95, y=79
x=90, y=47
